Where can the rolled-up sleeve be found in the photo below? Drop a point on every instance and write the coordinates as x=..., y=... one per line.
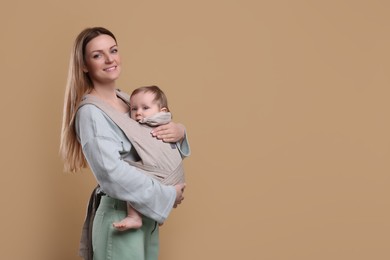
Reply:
x=102, y=148
x=184, y=147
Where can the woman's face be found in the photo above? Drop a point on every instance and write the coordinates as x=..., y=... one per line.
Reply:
x=102, y=60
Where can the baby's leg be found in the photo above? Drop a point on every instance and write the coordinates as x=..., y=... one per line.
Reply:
x=132, y=221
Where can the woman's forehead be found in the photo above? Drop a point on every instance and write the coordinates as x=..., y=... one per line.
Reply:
x=101, y=42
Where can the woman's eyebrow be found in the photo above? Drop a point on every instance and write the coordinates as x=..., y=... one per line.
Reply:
x=102, y=50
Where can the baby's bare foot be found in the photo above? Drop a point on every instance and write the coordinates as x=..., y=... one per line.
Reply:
x=128, y=223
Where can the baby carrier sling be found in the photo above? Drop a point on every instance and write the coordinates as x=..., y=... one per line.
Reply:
x=159, y=160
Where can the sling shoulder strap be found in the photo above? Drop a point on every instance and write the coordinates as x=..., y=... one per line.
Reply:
x=158, y=159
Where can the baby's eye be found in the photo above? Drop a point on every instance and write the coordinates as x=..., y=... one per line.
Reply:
x=133, y=109
x=145, y=108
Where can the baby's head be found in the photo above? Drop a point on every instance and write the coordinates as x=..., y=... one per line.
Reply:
x=147, y=101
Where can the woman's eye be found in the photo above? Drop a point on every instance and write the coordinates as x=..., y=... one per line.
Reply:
x=114, y=50
x=95, y=56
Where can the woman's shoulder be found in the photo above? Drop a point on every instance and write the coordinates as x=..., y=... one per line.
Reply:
x=92, y=122
x=89, y=112
x=90, y=116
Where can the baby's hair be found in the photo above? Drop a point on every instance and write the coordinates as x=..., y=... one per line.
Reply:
x=159, y=95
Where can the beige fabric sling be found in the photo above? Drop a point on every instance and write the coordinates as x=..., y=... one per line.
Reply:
x=159, y=160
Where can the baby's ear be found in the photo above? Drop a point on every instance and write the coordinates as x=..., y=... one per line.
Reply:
x=164, y=109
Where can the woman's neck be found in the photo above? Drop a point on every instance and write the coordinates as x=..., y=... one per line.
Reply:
x=109, y=96
x=105, y=93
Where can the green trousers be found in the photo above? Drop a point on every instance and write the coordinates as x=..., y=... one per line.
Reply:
x=134, y=244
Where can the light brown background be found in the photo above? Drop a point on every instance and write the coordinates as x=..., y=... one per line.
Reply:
x=286, y=105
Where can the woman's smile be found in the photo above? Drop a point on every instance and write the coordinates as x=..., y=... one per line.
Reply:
x=110, y=68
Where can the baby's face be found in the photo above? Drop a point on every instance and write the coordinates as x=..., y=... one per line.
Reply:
x=143, y=105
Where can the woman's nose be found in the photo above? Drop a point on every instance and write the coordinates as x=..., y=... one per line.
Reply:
x=109, y=58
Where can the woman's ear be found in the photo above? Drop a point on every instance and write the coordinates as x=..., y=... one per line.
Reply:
x=164, y=109
x=85, y=70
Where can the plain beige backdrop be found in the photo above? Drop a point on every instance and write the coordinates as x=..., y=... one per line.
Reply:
x=286, y=104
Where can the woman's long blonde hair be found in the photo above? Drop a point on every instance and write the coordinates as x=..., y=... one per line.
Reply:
x=78, y=84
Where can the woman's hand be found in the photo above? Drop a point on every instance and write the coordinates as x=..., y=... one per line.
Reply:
x=179, y=193
x=169, y=133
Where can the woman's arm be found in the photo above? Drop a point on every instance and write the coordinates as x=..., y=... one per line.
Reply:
x=174, y=133
x=170, y=133
x=102, y=148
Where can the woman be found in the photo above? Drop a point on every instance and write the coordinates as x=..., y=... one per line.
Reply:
x=90, y=137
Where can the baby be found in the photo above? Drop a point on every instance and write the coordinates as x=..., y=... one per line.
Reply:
x=148, y=105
